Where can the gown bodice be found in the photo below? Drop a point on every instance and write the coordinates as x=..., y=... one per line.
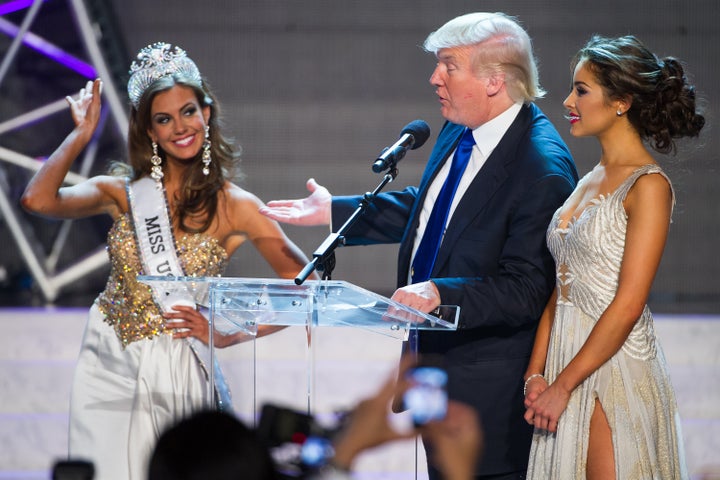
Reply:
x=588, y=255
x=128, y=304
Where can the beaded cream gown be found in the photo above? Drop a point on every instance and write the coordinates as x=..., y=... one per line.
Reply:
x=633, y=387
x=133, y=379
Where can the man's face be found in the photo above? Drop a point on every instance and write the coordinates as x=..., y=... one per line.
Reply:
x=462, y=93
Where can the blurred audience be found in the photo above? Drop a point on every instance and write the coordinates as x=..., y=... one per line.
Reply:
x=454, y=441
x=73, y=469
x=216, y=445
x=210, y=445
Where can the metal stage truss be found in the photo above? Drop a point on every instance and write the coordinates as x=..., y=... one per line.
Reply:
x=88, y=22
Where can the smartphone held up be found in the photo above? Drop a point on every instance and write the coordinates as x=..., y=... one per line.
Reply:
x=426, y=398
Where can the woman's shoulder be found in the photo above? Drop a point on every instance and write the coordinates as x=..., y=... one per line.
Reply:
x=239, y=197
x=649, y=175
x=240, y=208
x=239, y=203
x=648, y=185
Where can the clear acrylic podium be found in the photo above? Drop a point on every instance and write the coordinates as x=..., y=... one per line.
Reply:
x=241, y=305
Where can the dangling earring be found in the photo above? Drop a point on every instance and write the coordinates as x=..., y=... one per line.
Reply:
x=156, y=173
x=206, y=159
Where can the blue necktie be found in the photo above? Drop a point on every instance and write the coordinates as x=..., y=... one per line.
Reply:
x=430, y=244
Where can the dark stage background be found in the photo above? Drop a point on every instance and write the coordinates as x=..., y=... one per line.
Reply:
x=317, y=88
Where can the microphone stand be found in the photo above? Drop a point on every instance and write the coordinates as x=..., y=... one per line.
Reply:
x=324, y=256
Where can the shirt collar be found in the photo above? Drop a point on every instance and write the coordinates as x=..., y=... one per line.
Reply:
x=488, y=135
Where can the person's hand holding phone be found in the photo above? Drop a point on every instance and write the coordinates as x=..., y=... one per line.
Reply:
x=452, y=427
x=426, y=397
x=368, y=424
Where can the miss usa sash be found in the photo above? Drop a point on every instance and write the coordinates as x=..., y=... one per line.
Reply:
x=158, y=255
x=156, y=243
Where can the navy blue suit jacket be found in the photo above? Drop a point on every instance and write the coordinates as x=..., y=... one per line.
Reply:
x=493, y=262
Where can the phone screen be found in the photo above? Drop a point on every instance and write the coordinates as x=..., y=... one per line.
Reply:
x=427, y=397
x=297, y=443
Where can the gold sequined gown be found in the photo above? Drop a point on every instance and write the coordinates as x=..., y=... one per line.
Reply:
x=633, y=386
x=133, y=379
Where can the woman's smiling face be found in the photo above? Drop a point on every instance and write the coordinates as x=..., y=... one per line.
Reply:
x=177, y=122
x=590, y=112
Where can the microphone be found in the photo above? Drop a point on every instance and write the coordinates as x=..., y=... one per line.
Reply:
x=413, y=136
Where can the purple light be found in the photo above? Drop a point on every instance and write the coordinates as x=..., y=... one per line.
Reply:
x=10, y=7
x=48, y=49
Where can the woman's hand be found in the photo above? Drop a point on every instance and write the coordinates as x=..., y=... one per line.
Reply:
x=545, y=411
x=534, y=386
x=186, y=321
x=85, y=109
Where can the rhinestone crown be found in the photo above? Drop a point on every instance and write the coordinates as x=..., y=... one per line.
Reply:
x=156, y=61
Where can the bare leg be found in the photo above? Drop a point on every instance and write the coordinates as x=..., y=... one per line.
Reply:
x=601, y=459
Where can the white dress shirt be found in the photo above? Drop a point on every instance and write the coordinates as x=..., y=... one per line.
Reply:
x=486, y=136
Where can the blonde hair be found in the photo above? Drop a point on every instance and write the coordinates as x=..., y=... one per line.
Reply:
x=506, y=48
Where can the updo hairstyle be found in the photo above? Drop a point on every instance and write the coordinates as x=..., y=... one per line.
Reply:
x=662, y=100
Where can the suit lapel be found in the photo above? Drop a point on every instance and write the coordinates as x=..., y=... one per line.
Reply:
x=442, y=150
x=447, y=141
x=488, y=180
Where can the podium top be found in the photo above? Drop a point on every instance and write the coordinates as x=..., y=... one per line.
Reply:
x=240, y=304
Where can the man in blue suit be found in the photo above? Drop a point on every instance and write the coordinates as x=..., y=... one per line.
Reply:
x=492, y=258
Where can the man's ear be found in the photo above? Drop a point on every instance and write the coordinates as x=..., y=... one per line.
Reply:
x=495, y=83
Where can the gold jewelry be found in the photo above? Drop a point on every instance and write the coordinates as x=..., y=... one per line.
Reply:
x=206, y=159
x=156, y=170
x=156, y=61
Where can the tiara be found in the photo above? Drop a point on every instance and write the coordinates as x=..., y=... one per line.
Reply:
x=156, y=61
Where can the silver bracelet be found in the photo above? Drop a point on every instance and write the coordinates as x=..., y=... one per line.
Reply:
x=534, y=375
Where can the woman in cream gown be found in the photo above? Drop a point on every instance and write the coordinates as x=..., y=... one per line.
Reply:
x=597, y=387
